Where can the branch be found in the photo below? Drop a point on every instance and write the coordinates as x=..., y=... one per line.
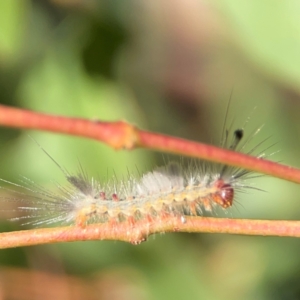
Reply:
x=139, y=233
x=122, y=135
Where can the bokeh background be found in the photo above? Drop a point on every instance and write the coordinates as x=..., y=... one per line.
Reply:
x=170, y=67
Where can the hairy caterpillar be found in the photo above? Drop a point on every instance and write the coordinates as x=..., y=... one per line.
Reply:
x=171, y=190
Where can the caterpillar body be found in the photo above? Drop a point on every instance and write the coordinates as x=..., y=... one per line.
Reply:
x=172, y=190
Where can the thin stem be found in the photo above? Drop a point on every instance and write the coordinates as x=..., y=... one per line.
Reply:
x=139, y=233
x=121, y=135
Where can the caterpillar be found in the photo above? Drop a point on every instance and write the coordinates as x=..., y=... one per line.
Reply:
x=177, y=189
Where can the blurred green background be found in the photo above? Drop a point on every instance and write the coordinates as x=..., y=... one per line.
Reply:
x=167, y=66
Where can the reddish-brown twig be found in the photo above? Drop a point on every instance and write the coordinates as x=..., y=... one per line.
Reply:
x=121, y=135
x=135, y=235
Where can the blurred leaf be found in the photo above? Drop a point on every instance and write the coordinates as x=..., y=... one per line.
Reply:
x=268, y=32
x=13, y=24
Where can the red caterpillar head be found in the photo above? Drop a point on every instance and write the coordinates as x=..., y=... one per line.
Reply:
x=224, y=191
x=225, y=194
